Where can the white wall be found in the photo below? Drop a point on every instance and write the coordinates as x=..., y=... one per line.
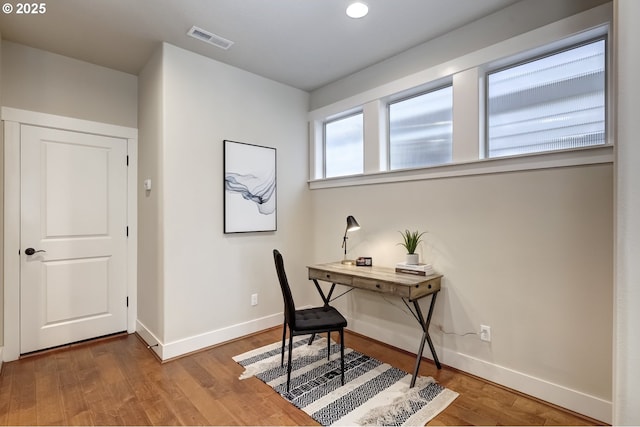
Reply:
x=41, y=81
x=627, y=297
x=207, y=276
x=528, y=253
x=150, y=236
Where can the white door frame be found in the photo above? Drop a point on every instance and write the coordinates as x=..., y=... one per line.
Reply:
x=13, y=118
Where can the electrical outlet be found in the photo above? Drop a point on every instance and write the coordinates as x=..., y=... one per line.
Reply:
x=485, y=333
x=254, y=299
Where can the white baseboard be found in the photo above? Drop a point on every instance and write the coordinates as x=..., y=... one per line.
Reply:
x=556, y=394
x=152, y=341
x=573, y=400
x=187, y=345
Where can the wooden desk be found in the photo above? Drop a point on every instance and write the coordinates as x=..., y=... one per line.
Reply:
x=409, y=287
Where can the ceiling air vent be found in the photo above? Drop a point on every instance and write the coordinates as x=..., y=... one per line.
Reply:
x=207, y=37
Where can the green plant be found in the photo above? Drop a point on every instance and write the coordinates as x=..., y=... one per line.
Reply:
x=411, y=240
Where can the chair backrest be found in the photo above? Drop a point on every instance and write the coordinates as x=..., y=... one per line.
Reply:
x=289, y=305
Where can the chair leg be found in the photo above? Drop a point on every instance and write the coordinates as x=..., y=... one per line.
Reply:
x=328, y=344
x=289, y=364
x=342, y=354
x=284, y=334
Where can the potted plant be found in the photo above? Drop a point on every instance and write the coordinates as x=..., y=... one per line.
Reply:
x=410, y=243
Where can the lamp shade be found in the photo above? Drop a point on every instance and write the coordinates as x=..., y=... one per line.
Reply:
x=352, y=224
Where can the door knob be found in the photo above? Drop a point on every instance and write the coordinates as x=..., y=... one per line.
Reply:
x=31, y=251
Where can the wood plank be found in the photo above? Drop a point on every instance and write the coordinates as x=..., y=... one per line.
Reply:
x=96, y=389
x=48, y=398
x=6, y=386
x=74, y=405
x=180, y=394
x=22, y=401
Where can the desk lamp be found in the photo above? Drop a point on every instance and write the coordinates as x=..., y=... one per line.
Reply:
x=352, y=225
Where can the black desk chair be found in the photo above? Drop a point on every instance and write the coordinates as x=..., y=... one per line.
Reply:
x=308, y=321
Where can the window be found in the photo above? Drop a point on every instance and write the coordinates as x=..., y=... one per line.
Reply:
x=343, y=141
x=537, y=100
x=420, y=130
x=552, y=103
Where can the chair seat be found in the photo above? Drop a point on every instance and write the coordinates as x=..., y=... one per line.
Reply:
x=319, y=318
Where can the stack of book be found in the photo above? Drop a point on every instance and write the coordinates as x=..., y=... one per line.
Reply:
x=417, y=269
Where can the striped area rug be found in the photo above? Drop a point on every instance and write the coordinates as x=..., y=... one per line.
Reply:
x=374, y=393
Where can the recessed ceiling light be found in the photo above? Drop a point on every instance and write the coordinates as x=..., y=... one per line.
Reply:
x=357, y=10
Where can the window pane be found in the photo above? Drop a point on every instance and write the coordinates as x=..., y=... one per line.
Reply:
x=552, y=103
x=420, y=130
x=344, y=146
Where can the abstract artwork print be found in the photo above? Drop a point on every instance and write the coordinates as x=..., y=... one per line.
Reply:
x=249, y=188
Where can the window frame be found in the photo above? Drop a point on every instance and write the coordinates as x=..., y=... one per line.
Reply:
x=333, y=119
x=522, y=58
x=433, y=87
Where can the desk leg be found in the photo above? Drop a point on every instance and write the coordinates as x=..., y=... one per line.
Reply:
x=327, y=298
x=424, y=324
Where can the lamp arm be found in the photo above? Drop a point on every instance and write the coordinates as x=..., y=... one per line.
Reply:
x=344, y=241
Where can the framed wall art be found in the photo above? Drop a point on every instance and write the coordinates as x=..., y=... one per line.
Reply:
x=249, y=188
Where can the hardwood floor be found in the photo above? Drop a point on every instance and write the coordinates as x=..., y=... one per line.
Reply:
x=118, y=381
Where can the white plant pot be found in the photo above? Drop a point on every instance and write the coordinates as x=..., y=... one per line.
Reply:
x=413, y=259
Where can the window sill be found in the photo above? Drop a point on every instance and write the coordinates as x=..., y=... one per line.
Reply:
x=557, y=159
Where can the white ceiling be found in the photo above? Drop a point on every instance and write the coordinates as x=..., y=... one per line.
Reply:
x=302, y=43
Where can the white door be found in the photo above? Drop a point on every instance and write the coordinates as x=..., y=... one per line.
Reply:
x=74, y=216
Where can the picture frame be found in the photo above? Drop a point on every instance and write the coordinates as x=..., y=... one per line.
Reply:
x=250, y=188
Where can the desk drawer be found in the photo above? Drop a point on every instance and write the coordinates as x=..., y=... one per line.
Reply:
x=427, y=288
x=341, y=279
x=375, y=285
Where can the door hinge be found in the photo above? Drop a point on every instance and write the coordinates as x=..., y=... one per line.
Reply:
x=127, y=301
x=127, y=160
x=127, y=232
